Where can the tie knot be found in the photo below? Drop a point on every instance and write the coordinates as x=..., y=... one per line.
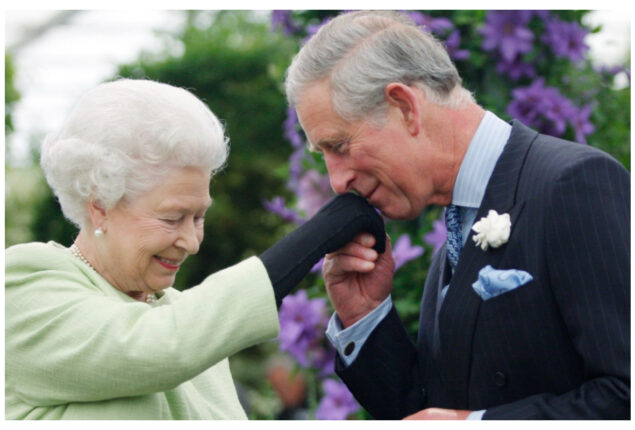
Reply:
x=455, y=237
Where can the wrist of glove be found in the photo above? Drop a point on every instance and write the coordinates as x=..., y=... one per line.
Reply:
x=332, y=227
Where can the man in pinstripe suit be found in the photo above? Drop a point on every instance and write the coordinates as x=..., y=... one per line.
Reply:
x=385, y=106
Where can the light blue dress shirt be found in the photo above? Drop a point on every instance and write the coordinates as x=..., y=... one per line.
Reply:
x=478, y=164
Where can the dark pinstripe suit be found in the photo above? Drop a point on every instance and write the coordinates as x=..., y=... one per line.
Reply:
x=557, y=347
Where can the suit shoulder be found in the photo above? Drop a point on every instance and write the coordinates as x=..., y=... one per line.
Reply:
x=551, y=158
x=36, y=256
x=564, y=152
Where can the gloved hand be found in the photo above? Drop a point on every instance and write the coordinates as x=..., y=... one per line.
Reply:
x=332, y=227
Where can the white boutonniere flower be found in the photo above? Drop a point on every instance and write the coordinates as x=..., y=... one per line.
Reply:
x=492, y=230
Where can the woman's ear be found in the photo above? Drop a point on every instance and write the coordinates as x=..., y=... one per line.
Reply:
x=407, y=101
x=97, y=214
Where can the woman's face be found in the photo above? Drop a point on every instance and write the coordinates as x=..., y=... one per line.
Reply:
x=148, y=239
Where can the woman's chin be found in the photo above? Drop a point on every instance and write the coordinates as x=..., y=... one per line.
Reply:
x=160, y=283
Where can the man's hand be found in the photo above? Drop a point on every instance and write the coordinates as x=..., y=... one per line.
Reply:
x=439, y=414
x=357, y=278
x=336, y=223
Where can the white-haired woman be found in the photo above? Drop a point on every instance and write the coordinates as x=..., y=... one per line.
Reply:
x=95, y=331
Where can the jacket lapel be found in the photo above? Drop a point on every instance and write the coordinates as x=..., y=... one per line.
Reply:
x=458, y=315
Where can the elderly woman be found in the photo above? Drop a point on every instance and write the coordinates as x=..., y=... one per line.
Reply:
x=95, y=331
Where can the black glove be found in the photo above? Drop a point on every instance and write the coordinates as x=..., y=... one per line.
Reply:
x=332, y=227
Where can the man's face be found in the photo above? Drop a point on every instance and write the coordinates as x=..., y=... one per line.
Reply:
x=389, y=166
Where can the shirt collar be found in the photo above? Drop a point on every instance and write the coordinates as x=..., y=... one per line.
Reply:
x=478, y=164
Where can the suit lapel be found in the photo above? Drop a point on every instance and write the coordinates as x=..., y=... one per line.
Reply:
x=434, y=281
x=458, y=315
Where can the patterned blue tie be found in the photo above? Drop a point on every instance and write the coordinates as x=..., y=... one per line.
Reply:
x=455, y=237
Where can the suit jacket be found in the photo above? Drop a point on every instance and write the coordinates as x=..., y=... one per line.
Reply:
x=77, y=348
x=557, y=347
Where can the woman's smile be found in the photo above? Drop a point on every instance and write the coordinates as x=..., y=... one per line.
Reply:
x=168, y=264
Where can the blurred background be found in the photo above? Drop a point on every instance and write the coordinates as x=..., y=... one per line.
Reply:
x=573, y=82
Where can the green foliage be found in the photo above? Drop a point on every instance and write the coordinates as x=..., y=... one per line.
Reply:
x=232, y=61
x=226, y=63
x=23, y=187
x=11, y=94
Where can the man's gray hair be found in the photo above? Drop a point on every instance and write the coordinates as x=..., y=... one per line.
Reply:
x=359, y=53
x=122, y=138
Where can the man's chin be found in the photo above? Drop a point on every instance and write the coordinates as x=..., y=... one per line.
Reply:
x=398, y=214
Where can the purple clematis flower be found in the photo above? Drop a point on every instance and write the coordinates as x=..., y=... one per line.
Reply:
x=295, y=168
x=277, y=206
x=441, y=27
x=581, y=124
x=560, y=111
x=431, y=24
x=437, y=236
x=542, y=14
x=516, y=69
x=337, y=404
x=541, y=107
x=609, y=70
x=507, y=32
x=282, y=19
x=311, y=29
x=297, y=142
x=323, y=359
x=302, y=324
x=291, y=129
x=317, y=267
x=314, y=191
x=547, y=110
x=452, y=44
x=403, y=251
x=528, y=102
x=566, y=39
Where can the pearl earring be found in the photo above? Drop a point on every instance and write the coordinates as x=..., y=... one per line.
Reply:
x=99, y=232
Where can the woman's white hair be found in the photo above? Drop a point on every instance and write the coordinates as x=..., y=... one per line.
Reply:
x=362, y=52
x=121, y=139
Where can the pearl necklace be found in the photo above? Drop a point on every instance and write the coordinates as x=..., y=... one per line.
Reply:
x=77, y=253
x=151, y=298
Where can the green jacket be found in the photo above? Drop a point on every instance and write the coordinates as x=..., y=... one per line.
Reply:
x=77, y=348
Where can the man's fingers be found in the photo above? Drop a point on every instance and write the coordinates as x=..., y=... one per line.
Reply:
x=347, y=263
x=354, y=249
x=365, y=239
x=341, y=264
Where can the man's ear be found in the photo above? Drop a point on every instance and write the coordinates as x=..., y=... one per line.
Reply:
x=406, y=100
x=97, y=214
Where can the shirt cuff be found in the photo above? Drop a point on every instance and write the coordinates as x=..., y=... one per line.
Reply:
x=476, y=415
x=348, y=342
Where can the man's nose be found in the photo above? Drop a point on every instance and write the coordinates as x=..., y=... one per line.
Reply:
x=340, y=174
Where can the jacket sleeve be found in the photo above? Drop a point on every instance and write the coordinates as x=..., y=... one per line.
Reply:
x=66, y=342
x=385, y=377
x=588, y=252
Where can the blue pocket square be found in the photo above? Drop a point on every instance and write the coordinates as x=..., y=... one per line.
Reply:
x=492, y=282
